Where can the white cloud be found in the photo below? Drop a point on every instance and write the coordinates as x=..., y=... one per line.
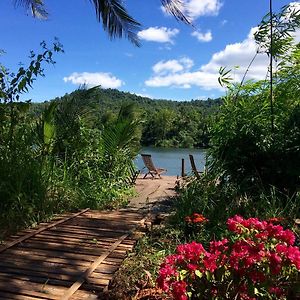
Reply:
x=144, y=95
x=194, y=9
x=158, y=34
x=173, y=66
x=184, y=80
x=165, y=66
x=105, y=80
x=202, y=37
x=239, y=54
x=207, y=75
x=198, y=8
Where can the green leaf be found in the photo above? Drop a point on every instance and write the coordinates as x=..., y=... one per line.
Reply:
x=208, y=275
x=198, y=274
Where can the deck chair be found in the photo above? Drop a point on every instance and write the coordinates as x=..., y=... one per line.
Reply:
x=194, y=169
x=152, y=170
x=133, y=175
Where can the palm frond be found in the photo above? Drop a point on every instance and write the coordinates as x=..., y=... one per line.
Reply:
x=36, y=7
x=116, y=20
x=176, y=8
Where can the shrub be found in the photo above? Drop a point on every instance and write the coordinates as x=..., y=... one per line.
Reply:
x=256, y=261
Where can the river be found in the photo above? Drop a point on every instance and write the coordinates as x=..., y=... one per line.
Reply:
x=170, y=159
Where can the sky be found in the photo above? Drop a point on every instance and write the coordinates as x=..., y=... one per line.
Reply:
x=176, y=61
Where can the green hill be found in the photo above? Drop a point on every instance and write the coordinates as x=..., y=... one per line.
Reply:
x=166, y=123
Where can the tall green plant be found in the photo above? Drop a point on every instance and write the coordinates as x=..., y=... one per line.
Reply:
x=274, y=38
x=247, y=149
x=22, y=189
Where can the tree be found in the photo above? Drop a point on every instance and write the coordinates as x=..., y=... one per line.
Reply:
x=112, y=14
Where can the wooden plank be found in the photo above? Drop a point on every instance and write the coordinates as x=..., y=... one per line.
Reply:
x=10, y=296
x=73, y=235
x=95, y=251
x=106, y=268
x=27, y=288
x=49, y=281
x=51, y=268
x=51, y=253
x=94, y=229
x=90, y=270
x=16, y=289
x=41, y=256
x=46, y=276
x=107, y=221
x=66, y=255
x=91, y=233
x=23, y=238
x=70, y=241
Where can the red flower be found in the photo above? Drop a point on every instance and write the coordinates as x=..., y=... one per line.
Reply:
x=277, y=291
x=179, y=290
x=276, y=220
x=259, y=255
x=195, y=218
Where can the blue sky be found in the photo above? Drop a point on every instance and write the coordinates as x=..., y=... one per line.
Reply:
x=175, y=61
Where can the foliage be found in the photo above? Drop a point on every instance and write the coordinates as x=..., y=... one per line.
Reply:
x=140, y=268
x=218, y=200
x=165, y=123
x=276, y=41
x=22, y=188
x=61, y=158
x=256, y=261
x=245, y=150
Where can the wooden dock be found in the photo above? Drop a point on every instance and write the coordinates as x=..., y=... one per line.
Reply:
x=72, y=257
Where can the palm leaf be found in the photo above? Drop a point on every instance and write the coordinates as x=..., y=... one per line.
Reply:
x=116, y=21
x=176, y=8
x=37, y=7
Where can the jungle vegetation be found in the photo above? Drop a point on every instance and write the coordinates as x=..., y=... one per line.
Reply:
x=165, y=123
x=61, y=158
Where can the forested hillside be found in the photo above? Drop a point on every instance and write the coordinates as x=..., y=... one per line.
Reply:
x=166, y=123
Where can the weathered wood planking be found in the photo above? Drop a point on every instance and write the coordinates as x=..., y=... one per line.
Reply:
x=72, y=257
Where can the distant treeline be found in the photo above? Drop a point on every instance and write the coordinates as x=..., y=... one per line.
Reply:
x=166, y=123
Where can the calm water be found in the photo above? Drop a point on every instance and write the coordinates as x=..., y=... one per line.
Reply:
x=170, y=159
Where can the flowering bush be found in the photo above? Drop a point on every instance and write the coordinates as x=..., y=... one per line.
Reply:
x=257, y=261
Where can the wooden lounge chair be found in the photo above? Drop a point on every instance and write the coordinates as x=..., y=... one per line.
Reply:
x=152, y=170
x=194, y=169
x=133, y=175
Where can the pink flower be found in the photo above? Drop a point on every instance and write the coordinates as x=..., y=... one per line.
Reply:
x=288, y=236
x=234, y=224
x=260, y=255
x=218, y=246
x=277, y=291
x=179, y=290
x=257, y=276
x=192, y=251
x=275, y=263
x=210, y=262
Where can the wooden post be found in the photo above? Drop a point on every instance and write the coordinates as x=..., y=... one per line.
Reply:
x=182, y=168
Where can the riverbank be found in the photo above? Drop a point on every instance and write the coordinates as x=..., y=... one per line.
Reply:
x=152, y=192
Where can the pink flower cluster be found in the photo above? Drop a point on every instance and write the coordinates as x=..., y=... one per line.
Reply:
x=259, y=259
